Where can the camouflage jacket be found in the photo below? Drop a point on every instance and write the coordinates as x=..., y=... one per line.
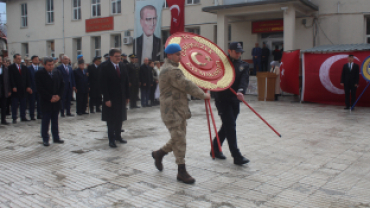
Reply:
x=174, y=88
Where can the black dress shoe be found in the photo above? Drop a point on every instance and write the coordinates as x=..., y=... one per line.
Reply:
x=70, y=114
x=4, y=123
x=218, y=155
x=79, y=114
x=122, y=130
x=14, y=121
x=98, y=111
x=122, y=141
x=46, y=144
x=85, y=113
x=62, y=115
x=59, y=141
x=346, y=108
x=25, y=119
x=112, y=144
x=240, y=160
x=39, y=117
x=137, y=107
x=92, y=111
x=33, y=119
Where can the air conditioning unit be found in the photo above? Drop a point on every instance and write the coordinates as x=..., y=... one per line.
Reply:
x=127, y=40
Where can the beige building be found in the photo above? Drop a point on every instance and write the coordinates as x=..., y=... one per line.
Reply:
x=51, y=27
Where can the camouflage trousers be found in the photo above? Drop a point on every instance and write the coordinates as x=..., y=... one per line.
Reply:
x=177, y=143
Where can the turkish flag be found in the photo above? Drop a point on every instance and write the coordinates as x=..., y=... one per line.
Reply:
x=177, y=8
x=289, y=72
x=322, y=74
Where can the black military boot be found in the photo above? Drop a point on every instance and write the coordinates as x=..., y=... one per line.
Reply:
x=184, y=176
x=158, y=156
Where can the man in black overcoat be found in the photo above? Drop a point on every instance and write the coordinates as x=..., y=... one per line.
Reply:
x=5, y=90
x=50, y=86
x=133, y=74
x=114, y=86
x=349, y=79
x=82, y=88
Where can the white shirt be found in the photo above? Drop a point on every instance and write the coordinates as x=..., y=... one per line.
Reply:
x=1, y=70
x=96, y=65
x=115, y=65
x=35, y=67
x=147, y=47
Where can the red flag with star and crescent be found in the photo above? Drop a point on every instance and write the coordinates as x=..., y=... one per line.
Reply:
x=177, y=8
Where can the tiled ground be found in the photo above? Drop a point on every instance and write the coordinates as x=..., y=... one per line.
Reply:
x=322, y=160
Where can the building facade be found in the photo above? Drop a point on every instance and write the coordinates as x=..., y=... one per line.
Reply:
x=52, y=27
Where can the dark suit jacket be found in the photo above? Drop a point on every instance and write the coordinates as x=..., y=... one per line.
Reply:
x=94, y=80
x=114, y=89
x=350, y=77
x=21, y=82
x=146, y=75
x=5, y=82
x=32, y=78
x=82, y=81
x=67, y=78
x=138, y=48
x=47, y=86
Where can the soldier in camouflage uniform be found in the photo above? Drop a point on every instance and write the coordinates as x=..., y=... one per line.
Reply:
x=174, y=88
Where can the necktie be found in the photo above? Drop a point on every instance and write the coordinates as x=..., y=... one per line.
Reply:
x=67, y=70
x=350, y=66
x=118, y=71
x=19, y=68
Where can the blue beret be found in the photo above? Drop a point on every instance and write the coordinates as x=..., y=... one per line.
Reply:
x=80, y=56
x=172, y=48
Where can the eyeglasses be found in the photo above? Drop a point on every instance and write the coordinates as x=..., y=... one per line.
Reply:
x=151, y=21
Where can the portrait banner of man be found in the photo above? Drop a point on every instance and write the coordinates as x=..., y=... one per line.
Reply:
x=148, y=16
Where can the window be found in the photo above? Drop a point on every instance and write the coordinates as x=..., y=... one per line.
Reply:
x=79, y=46
x=49, y=11
x=116, y=6
x=76, y=9
x=95, y=8
x=24, y=49
x=117, y=41
x=97, y=46
x=24, y=22
x=189, y=2
x=193, y=30
x=368, y=30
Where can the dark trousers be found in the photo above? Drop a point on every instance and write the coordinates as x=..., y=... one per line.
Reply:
x=32, y=99
x=8, y=103
x=145, y=95
x=66, y=101
x=46, y=118
x=228, y=111
x=265, y=65
x=21, y=101
x=81, y=100
x=3, y=108
x=350, y=93
x=257, y=65
x=95, y=102
x=114, y=130
x=152, y=92
x=133, y=96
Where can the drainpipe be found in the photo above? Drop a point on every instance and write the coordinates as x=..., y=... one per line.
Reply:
x=64, y=47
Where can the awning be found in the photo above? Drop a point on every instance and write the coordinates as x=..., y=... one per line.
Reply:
x=338, y=48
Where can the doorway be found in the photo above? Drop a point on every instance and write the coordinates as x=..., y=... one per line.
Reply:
x=272, y=40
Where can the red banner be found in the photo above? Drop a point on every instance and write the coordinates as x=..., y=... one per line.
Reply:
x=321, y=78
x=177, y=8
x=99, y=24
x=289, y=72
x=268, y=26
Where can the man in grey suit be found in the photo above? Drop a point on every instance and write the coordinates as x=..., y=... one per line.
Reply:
x=148, y=45
x=4, y=90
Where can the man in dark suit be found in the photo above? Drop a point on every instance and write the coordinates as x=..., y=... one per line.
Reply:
x=34, y=97
x=82, y=88
x=228, y=105
x=265, y=57
x=69, y=85
x=146, y=82
x=95, y=93
x=257, y=55
x=349, y=79
x=148, y=45
x=4, y=90
x=133, y=74
x=20, y=83
x=115, y=89
x=50, y=86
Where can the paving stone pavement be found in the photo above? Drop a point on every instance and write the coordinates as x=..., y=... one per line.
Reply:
x=322, y=160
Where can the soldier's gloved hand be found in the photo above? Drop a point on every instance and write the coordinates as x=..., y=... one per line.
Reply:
x=207, y=96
